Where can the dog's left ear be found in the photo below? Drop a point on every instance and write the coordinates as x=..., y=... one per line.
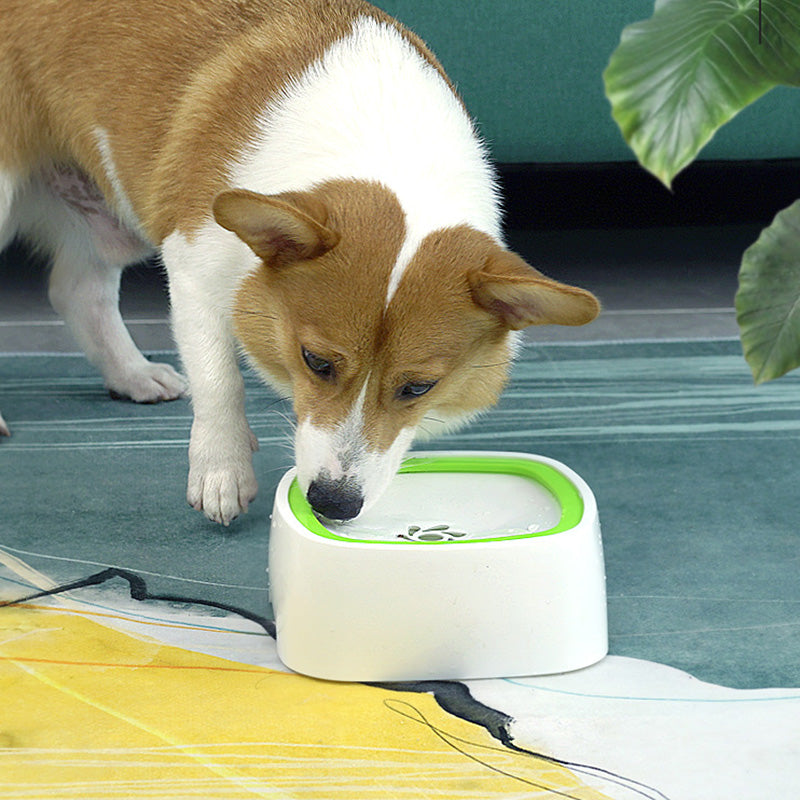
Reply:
x=521, y=296
x=280, y=228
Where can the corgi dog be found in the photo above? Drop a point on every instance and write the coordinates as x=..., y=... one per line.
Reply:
x=321, y=203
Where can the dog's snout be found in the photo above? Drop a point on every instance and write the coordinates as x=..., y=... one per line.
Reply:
x=336, y=500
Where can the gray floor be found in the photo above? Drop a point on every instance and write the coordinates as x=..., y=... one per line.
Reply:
x=666, y=283
x=655, y=283
x=693, y=468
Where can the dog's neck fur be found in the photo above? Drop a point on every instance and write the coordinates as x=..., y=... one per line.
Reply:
x=372, y=108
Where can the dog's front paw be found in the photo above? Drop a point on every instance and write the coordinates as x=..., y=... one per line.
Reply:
x=222, y=483
x=148, y=383
x=222, y=494
x=4, y=431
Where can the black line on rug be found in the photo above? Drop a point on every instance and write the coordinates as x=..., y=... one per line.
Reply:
x=453, y=697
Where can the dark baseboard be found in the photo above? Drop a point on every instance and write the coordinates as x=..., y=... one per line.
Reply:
x=624, y=195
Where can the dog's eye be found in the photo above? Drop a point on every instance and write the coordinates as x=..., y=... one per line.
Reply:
x=318, y=365
x=411, y=390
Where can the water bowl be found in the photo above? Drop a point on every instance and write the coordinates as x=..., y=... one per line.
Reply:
x=471, y=565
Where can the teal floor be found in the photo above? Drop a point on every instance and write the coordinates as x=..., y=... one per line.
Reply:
x=694, y=469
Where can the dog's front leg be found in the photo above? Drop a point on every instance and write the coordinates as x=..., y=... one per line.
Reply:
x=202, y=286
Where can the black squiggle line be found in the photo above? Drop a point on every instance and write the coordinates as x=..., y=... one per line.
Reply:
x=453, y=697
x=450, y=740
x=139, y=591
x=642, y=789
x=584, y=769
x=456, y=699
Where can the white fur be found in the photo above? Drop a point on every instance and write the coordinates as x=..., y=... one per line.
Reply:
x=204, y=273
x=336, y=453
x=378, y=469
x=88, y=256
x=344, y=453
x=123, y=207
x=373, y=109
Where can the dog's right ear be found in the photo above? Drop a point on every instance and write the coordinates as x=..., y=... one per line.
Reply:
x=280, y=228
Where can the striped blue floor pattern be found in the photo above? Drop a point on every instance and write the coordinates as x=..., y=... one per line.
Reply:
x=695, y=472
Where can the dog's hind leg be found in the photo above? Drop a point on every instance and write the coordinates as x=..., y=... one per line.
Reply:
x=89, y=250
x=85, y=293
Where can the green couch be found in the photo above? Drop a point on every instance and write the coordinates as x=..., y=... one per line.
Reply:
x=530, y=72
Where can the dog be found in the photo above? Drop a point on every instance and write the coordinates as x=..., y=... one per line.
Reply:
x=321, y=203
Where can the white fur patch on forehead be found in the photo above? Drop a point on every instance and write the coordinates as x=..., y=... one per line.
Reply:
x=373, y=108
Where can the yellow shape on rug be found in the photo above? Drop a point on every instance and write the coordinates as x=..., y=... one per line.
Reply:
x=88, y=712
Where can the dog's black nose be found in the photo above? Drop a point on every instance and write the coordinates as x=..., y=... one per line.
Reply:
x=337, y=500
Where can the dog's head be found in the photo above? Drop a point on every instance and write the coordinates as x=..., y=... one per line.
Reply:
x=378, y=340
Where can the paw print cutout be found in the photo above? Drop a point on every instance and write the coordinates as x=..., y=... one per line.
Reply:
x=437, y=533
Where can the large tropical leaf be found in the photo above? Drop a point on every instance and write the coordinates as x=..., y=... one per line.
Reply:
x=679, y=76
x=768, y=300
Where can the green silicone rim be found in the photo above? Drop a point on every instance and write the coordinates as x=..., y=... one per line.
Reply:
x=561, y=487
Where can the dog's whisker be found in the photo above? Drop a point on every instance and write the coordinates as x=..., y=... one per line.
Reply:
x=280, y=468
x=284, y=416
x=288, y=446
x=286, y=442
x=489, y=366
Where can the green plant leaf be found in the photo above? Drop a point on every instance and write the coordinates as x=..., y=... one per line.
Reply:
x=678, y=77
x=768, y=300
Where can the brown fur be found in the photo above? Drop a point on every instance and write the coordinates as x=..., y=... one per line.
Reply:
x=447, y=322
x=178, y=88
x=332, y=305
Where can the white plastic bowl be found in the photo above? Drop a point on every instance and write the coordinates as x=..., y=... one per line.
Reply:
x=472, y=565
